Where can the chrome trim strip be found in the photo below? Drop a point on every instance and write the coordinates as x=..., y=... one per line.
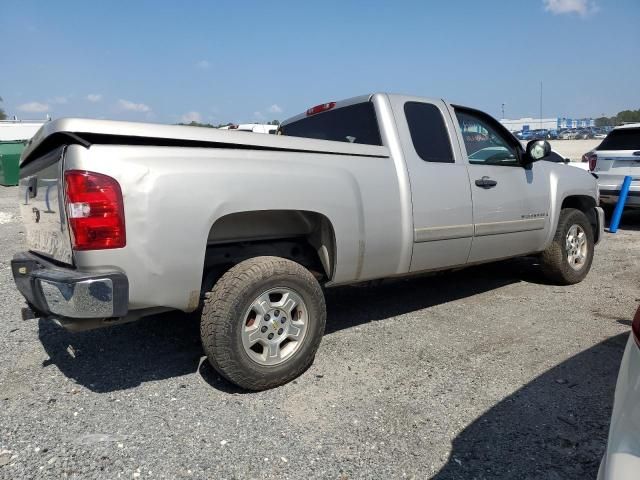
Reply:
x=511, y=226
x=449, y=232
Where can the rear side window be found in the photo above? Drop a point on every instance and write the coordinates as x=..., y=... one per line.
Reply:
x=428, y=132
x=353, y=124
x=622, y=139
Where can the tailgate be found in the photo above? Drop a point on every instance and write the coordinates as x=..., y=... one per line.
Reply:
x=613, y=166
x=618, y=162
x=41, y=206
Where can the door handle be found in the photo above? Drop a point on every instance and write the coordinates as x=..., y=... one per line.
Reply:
x=486, y=182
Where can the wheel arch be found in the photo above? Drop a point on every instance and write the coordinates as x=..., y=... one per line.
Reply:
x=307, y=237
x=586, y=204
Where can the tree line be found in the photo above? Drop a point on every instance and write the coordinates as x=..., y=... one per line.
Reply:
x=618, y=119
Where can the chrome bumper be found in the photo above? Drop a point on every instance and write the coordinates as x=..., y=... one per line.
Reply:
x=54, y=291
x=610, y=191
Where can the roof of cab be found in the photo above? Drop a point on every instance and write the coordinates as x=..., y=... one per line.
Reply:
x=364, y=98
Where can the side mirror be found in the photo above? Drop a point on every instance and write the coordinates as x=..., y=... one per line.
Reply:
x=537, y=150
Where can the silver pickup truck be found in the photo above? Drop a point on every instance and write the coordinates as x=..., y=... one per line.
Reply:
x=127, y=219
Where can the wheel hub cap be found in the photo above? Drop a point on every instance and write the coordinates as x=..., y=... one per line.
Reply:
x=274, y=326
x=576, y=247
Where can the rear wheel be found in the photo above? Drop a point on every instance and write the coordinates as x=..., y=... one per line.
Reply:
x=568, y=259
x=262, y=322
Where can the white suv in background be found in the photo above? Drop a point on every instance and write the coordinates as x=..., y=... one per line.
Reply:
x=617, y=156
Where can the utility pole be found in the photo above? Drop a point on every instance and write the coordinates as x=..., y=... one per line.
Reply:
x=503, y=111
x=540, y=103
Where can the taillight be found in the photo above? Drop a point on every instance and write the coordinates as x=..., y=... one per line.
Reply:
x=592, y=158
x=95, y=210
x=320, y=108
x=635, y=327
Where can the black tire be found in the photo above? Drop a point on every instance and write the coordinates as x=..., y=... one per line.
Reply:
x=555, y=259
x=223, y=320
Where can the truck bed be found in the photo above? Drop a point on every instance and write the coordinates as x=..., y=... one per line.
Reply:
x=88, y=131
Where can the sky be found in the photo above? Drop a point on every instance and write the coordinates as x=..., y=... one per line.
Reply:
x=246, y=61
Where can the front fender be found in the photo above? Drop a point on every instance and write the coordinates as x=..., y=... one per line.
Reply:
x=567, y=183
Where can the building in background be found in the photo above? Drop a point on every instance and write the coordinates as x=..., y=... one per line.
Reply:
x=529, y=123
x=14, y=136
x=19, y=129
x=576, y=122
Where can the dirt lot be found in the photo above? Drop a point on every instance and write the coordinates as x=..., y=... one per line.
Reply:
x=483, y=373
x=574, y=149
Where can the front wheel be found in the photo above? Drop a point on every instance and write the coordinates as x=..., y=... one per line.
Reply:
x=568, y=259
x=262, y=322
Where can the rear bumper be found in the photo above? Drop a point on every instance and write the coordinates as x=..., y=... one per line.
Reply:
x=610, y=197
x=610, y=191
x=59, y=292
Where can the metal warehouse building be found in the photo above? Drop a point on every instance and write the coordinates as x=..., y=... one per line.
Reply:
x=530, y=123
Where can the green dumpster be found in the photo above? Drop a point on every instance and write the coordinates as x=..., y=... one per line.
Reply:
x=9, y=161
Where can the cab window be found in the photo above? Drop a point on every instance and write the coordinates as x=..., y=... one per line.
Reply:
x=353, y=124
x=428, y=132
x=485, y=143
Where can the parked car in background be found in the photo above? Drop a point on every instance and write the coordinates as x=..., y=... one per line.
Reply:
x=617, y=156
x=583, y=134
x=125, y=219
x=525, y=135
x=539, y=134
x=621, y=460
x=569, y=134
x=600, y=134
x=552, y=134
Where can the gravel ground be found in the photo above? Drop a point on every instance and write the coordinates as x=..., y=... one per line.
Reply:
x=482, y=373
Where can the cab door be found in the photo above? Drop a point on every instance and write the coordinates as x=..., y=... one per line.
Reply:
x=440, y=192
x=510, y=201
